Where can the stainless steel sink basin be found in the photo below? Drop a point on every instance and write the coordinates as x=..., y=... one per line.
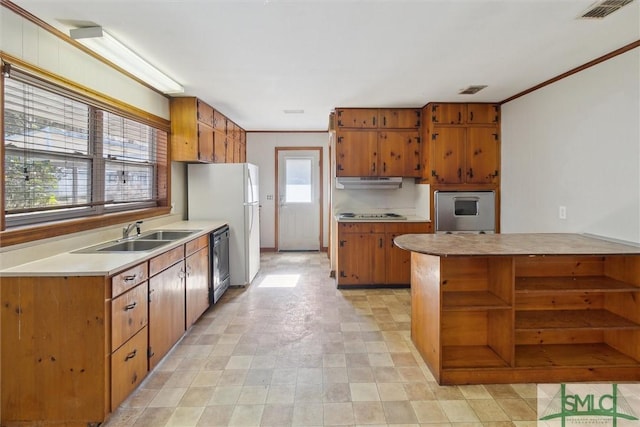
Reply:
x=133, y=246
x=166, y=235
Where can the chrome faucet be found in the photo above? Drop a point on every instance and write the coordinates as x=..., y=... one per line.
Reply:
x=126, y=230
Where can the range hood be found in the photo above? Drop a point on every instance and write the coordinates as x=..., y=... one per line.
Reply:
x=368, y=183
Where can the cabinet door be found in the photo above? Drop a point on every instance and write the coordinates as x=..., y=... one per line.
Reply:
x=358, y=118
x=483, y=155
x=399, y=118
x=399, y=153
x=197, y=285
x=398, y=262
x=448, y=155
x=483, y=114
x=166, y=311
x=219, y=147
x=128, y=314
x=205, y=113
x=205, y=143
x=361, y=259
x=356, y=153
x=230, y=151
x=243, y=147
x=448, y=114
x=219, y=122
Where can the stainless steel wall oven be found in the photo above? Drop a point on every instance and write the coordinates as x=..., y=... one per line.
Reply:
x=465, y=211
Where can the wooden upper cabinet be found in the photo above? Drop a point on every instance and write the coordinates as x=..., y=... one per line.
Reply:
x=357, y=118
x=447, y=159
x=399, y=153
x=191, y=138
x=483, y=155
x=219, y=147
x=447, y=114
x=205, y=113
x=219, y=122
x=399, y=118
x=356, y=153
x=483, y=114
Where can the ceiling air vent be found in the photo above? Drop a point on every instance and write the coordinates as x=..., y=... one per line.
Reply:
x=472, y=89
x=603, y=8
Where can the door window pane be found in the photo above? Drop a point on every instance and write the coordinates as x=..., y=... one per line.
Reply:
x=298, y=180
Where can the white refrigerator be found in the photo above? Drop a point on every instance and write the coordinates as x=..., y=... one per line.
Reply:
x=229, y=191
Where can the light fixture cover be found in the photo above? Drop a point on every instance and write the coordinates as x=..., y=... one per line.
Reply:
x=102, y=43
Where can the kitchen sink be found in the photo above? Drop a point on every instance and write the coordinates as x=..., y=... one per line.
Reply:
x=166, y=235
x=133, y=246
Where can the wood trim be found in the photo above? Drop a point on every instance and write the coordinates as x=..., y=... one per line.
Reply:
x=267, y=249
x=277, y=186
x=582, y=67
x=39, y=22
x=102, y=100
x=2, y=174
x=59, y=228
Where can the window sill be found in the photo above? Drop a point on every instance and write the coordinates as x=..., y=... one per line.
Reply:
x=47, y=230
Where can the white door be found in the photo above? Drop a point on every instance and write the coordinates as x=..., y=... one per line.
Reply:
x=299, y=200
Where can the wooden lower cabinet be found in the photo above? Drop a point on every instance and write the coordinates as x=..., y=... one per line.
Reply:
x=128, y=367
x=166, y=311
x=511, y=319
x=197, y=279
x=74, y=347
x=367, y=255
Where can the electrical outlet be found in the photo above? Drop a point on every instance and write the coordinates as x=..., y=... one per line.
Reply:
x=269, y=196
x=562, y=212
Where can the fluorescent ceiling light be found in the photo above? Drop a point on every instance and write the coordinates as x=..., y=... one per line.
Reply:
x=102, y=43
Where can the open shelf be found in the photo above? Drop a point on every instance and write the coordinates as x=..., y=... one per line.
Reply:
x=472, y=300
x=571, y=355
x=471, y=356
x=571, y=320
x=573, y=284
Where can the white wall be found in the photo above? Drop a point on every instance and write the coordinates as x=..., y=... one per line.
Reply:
x=261, y=151
x=575, y=143
x=25, y=40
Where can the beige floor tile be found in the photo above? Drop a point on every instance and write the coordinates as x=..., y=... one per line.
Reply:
x=125, y=417
x=360, y=375
x=502, y=391
x=335, y=375
x=140, y=398
x=488, y=410
x=153, y=417
x=367, y=413
x=308, y=393
x=253, y=395
x=282, y=376
x=167, y=397
x=185, y=417
x=263, y=362
x=334, y=360
x=476, y=391
x=429, y=411
x=392, y=392
x=246, y=415
x=387, y=374
x=281, y=394
x=309, y=376
x=233, y=377
x=308, y=414
x=364, y=392
x=419, y=391
x=239, y=362
x=225, y=395
x=399, y=412
x=517, y=409
x=526, y=391
x=338, y=414
x=207, y=378
x=276, y=415
x=258, y=377
x=458, y=411
x=196, y=396
x=377, y=347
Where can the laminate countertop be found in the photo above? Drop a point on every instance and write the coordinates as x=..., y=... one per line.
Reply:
x=74, y=263
x=531, y=244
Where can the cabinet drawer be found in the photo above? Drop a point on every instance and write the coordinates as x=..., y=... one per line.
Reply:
x=128, y=314
x=128, y=279
x=166, y=260
x=361, y=227
x=128, y=367
x=196, y=244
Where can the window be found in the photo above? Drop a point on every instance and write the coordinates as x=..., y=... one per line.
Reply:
x=298, y=178
x=66, y=157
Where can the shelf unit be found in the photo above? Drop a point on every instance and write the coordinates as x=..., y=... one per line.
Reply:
x=504, y=319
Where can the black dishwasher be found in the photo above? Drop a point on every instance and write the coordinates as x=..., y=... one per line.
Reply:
x=220, y=277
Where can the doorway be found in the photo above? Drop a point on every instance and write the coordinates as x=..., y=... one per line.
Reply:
x=299, y=198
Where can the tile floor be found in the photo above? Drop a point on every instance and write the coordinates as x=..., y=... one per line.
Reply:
x=292, y=350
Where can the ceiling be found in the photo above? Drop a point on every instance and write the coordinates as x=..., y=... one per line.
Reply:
x=253, y=59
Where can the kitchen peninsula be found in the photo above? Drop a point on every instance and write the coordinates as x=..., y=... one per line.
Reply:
x=509, y=308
